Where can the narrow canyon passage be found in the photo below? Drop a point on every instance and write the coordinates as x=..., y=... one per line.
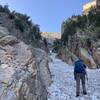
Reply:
x=63, y=86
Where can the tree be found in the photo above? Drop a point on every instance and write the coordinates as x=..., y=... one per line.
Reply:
x=36, y=32
x=57, y=45
x=6, y=8
x=69, y=28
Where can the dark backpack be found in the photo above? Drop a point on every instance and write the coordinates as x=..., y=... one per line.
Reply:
x=79, y=67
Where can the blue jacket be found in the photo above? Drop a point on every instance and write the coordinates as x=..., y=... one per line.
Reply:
x=79, y=67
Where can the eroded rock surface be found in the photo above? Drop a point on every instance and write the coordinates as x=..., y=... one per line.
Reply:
x=20, y=75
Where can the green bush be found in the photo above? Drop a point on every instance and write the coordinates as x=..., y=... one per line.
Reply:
x=89, y=24
x=29, y=32
x=19, y=25
x=57, y=45
x=4, y=9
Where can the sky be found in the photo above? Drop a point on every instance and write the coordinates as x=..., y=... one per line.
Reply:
x=49, y=14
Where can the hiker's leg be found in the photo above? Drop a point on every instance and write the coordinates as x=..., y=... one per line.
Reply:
x=83, y=84
x=77, y=84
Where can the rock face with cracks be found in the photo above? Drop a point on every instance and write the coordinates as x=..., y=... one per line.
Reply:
x=21, y=77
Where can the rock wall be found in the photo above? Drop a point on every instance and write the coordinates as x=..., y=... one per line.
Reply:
x=42, y=61
x=66, y=55
x=96, y=57
x=88, y=59
x=83, y=48
x=12, y=24
x=22, y=75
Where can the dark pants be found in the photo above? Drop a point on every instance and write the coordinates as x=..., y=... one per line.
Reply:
x=80, y=77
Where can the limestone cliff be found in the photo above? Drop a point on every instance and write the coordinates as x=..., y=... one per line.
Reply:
x=24, y=74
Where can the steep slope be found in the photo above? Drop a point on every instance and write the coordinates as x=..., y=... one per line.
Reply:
x=63, y=86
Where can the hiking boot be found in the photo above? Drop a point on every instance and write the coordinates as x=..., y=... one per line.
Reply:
x=84, y=93
x=77, y=95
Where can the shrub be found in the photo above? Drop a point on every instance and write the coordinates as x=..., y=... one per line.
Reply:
x=19, y=25
x=4, y=9
x=57, y=45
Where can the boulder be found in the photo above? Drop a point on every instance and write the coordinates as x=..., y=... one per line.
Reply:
x=67, y=55
x=87, y=58
x=8, y=40
x=96, y=56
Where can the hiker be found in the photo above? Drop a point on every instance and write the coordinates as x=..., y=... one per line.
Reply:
x=80, y=75
x=0, y=62
x=46, y=45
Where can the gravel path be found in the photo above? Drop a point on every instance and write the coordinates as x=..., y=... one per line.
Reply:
x=63, y=86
